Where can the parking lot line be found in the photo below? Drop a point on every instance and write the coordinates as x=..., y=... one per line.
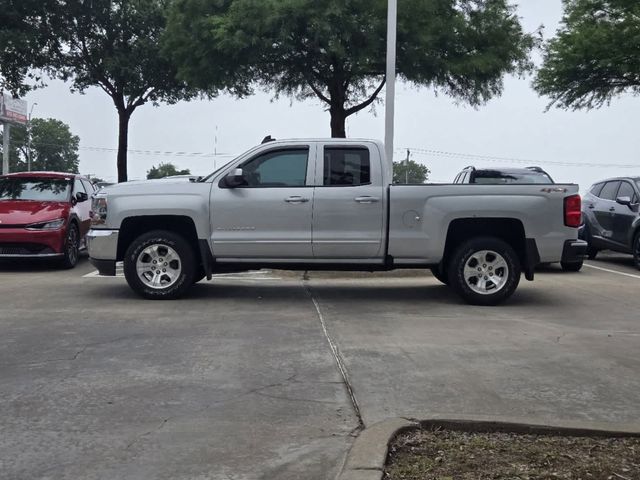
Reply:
x=612, y=271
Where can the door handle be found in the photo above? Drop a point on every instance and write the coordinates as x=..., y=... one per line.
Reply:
x=591, y=207
x=296, y=199
x=366, y=199
x=612, y=209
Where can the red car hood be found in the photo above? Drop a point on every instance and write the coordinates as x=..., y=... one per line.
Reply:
x=21, y=212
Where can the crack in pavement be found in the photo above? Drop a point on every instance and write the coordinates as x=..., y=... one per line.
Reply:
x=153, y=430
x=336, y=355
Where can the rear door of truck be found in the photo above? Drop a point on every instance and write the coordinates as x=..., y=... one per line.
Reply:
x=349, y=202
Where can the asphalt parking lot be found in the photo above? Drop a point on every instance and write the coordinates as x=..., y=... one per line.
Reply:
x=240, y=380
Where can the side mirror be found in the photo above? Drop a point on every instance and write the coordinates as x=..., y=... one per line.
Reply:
x=81, y=197
x=234, y=179
x=624, y=201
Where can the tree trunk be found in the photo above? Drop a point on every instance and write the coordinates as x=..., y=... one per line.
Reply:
x=338, y=121
x=123, y=144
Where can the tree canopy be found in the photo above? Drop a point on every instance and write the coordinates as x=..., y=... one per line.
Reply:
x=165, y=170
x=410, y=172
x=595, y=55
x=110, y=44
x=53, y=147
x=335, y=51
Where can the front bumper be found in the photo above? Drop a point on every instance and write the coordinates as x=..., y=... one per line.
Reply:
x=102, y=245
x=574, y=251
x=23, y=243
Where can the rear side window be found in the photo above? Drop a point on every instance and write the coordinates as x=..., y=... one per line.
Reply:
x=346, y=167
x=626, y=190
x=610, y=190
x=596, y=189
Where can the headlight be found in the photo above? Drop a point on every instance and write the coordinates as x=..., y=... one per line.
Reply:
x=98, y=211
x=52, y=225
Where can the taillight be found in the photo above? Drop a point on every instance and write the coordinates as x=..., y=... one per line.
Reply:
x=573, y=211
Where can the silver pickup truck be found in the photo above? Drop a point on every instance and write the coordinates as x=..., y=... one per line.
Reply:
x=329, y=205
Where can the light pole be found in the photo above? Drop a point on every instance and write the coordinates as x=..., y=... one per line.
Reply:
x=392, y=19
x=29, y=138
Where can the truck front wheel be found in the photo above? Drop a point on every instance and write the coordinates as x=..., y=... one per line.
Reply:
x=160, y=265
x=484, y=271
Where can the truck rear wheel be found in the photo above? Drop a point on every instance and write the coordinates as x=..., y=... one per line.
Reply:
x=484, y=271
x=160, y=265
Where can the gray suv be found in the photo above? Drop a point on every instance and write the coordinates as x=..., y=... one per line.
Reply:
x=611, y=219
x=502, y=176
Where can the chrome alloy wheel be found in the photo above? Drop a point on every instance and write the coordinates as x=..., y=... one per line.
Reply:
x=486, y=272
x=159, y=266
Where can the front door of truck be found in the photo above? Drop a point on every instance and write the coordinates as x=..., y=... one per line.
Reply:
x=269, y=215
x=348, y=206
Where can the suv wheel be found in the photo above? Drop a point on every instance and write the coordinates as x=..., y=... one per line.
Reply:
x=160, y=265
x=485, y=271
x=636, y=251
x=572, y=267
x=71, y=247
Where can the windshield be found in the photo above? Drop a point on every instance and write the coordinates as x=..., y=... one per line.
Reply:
x=36, y=189
x=494, y=177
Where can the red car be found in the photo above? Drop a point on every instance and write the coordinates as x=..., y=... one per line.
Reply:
x=44, y=214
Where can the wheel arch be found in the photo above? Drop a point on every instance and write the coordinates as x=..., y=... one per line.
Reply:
x=510, y=230
x=132, y=227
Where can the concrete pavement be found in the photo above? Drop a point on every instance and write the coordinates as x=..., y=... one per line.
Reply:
x=238, y=380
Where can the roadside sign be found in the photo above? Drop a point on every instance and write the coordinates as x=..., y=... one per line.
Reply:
x=12, y=110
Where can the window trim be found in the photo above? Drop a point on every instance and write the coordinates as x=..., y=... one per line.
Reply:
x=635, y=193
x=306, y=148
x=350, y=147
x=599, y=184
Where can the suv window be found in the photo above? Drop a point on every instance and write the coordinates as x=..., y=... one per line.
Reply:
x=88, y=186
x=596, y=189
x=346, y=166
x=626, y=190
x=610, y=190
x=280, y=168
x=496, y=177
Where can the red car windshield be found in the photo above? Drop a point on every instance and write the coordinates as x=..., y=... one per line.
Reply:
x=35, y=189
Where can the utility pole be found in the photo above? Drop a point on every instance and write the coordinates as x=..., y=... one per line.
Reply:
x=392, y=18
x=406, y=164
x=6, y=136
x=29, y=138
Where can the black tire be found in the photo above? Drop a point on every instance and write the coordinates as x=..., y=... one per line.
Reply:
x=71, y=247
x=571, y=266
x=464, y=254
x=440, y=275
x=164, y=240
x=636, y=250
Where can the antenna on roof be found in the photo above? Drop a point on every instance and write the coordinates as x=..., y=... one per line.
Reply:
x=268, y=139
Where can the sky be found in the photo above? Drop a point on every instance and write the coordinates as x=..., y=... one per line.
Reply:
x=514, y=126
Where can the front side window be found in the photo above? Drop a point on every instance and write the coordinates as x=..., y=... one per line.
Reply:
x=346, y=167
x=78, y=186
x=626, y=190
x=610, y=191
x=283, y=168
x=35, y=189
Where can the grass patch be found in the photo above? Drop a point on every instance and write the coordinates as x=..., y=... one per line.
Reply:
x=440, y=454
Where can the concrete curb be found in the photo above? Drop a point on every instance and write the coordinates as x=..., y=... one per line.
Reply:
x=368, y=455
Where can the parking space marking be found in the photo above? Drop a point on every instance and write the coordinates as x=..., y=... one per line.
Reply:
x=251, y=275
x=612, y=271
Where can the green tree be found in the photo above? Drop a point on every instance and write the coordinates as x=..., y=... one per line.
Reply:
x=335, y=50
x=26, y=42
x=165, y=170
x=110, y=44
x=595, y=55
x=53, y=147
x=410, y=172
